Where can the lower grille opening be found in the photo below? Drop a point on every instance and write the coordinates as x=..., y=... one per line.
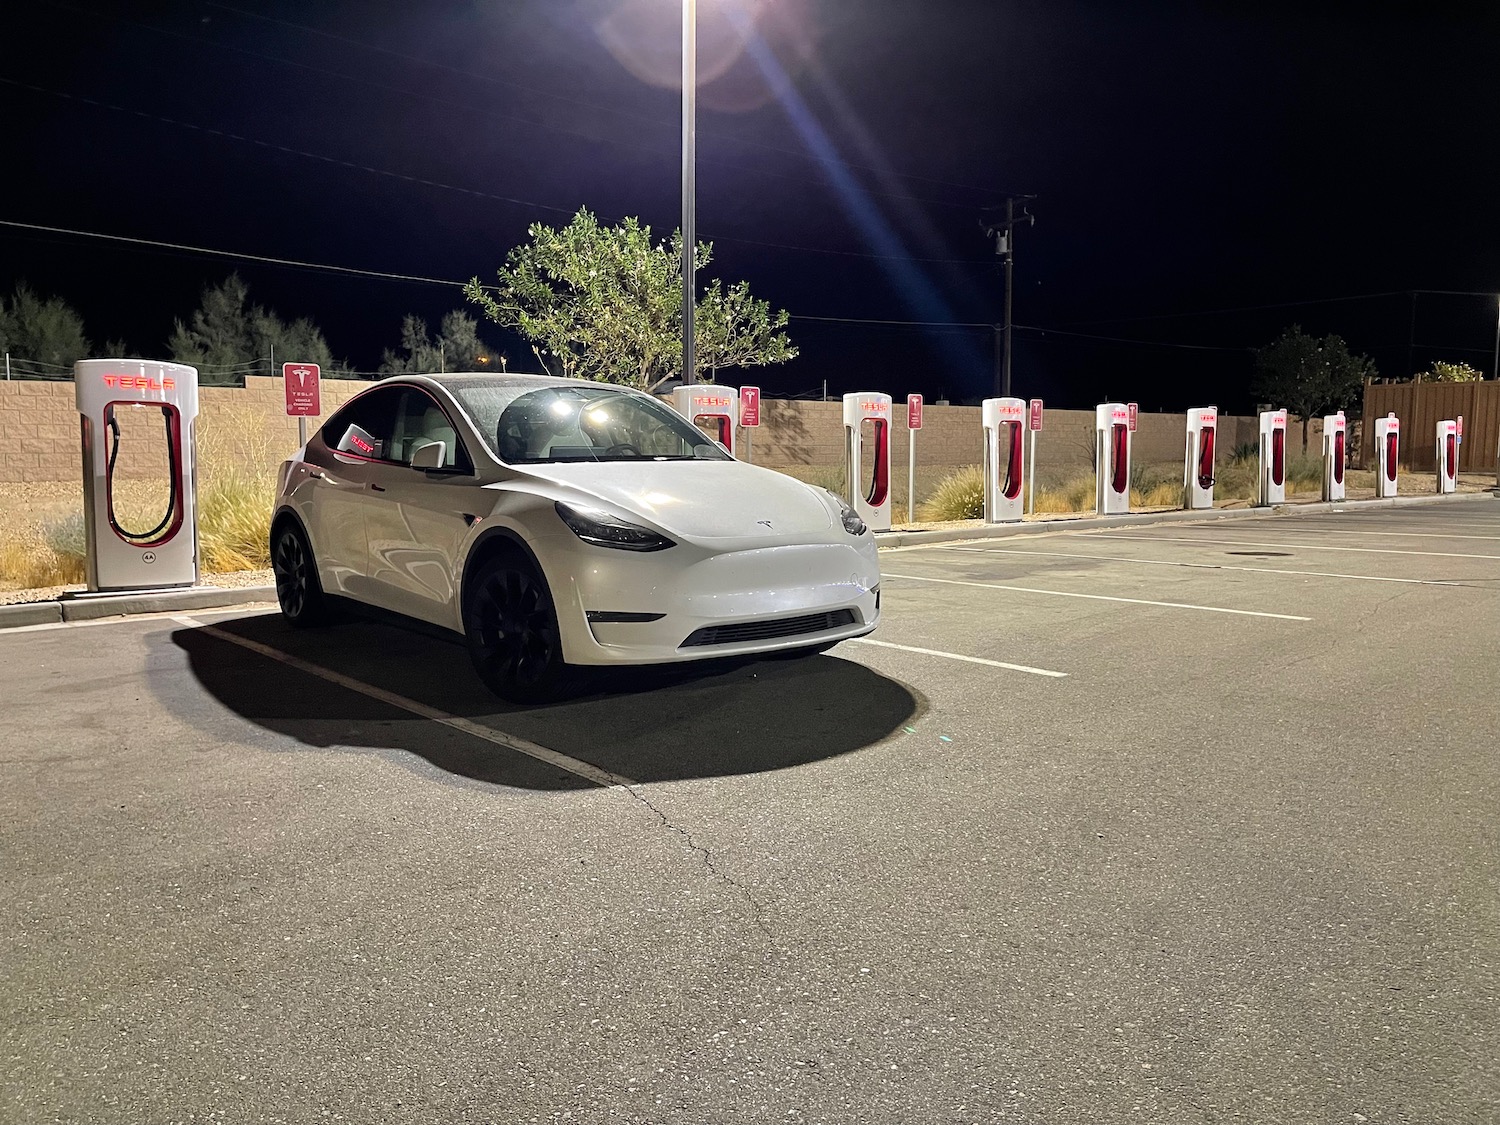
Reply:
x=769, y=630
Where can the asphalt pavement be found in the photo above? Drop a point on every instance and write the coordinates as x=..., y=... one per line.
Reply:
x=1183, y=824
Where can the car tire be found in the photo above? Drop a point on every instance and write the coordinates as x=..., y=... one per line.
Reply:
x=298, y=589
x=510, y=626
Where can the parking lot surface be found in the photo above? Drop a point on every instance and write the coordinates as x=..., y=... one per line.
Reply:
x=1184, y=823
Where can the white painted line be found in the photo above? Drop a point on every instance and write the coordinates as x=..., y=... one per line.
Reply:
x=1393, y=533
x=1097, y=597
x=249, y=609
x=1208, y=566
x=1292, y=546
x=499, y=738
x=958, y=656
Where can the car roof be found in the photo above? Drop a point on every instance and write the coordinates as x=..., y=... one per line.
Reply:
x=461, y=379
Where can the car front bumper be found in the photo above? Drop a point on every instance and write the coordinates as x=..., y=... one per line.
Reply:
x=830, y=590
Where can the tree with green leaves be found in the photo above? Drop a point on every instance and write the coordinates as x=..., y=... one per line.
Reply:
x=1442, y=372
x=1310, y=375
x=605, y=303
x=44, y=330
x=457, y=347
x=226, y=338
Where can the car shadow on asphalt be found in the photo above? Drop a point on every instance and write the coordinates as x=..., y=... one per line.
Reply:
x=664, y=723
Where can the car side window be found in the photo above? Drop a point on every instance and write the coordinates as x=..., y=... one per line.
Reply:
x=420, y=421
x=365, y=426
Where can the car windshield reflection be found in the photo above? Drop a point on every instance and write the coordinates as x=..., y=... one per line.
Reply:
x=572, y=423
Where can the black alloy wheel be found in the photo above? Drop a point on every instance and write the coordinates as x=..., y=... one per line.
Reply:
x=297, y=587
x=511, y=629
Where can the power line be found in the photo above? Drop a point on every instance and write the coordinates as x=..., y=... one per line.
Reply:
x=424, y=182
x=1019, y=328
x=284, y=148
x=234, y=254
x=581, y=103
x=1259, y=308
x=609, y=137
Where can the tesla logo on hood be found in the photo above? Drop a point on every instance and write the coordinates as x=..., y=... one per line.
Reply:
x=764, y=523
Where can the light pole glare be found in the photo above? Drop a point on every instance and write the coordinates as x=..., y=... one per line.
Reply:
x=689, y=185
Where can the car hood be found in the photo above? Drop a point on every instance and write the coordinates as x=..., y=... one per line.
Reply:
x=702, y=499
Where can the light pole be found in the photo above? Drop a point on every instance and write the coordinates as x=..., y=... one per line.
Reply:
x=689, y=184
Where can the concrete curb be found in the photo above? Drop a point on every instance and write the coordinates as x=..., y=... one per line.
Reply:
x=30, y=613
x=92, y=607
x=1092, y=523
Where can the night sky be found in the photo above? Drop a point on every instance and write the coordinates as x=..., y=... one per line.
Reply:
x=1185, y=158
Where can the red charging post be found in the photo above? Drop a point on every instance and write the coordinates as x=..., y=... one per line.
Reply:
x=913, y=424
x=304, y=398
x=1034, y=424
x=749, y=413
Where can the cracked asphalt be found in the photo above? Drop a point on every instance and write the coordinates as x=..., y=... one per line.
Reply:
x=1240, y=863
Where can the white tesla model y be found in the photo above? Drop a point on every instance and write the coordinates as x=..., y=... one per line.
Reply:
x=555, y=522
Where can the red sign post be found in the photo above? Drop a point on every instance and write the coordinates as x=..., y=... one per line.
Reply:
x=1034, y=423
x=749, y=406
x=913, y=424
x=1036, y=415
x=303, y=399
x=1135, y=411
x=749, y=414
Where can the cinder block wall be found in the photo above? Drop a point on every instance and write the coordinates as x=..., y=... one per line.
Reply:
x=41, y=424
x=250, y=426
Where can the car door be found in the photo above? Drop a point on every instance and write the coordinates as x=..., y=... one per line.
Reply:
x=343, y=466
x=418, y=519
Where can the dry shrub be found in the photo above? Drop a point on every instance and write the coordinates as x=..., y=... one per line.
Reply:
x=1076, y=495
x=55, y=558
x=234, y=523
x=958, y=496
x=1163, y=494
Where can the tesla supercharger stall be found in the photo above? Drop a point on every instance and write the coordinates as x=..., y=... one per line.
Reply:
x=1335, y=455
x=1004, y=422
x=121, y=400
x=1387, y=455
x=1447, y=456
x=869, y=481
x=1202, y=426
x=711, y=407
x=1271, y=488
x=1112, y=458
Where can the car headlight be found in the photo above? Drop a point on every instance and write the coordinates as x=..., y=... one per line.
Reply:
x=852, y=523
x=604, y=530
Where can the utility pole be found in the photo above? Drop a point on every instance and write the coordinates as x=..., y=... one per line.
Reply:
x=1003, y=232
x=689, y=189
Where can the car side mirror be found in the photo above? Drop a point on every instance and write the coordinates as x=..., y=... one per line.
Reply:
x=429, y=455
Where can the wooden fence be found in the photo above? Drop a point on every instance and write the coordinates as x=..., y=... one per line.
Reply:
x=1421, y=406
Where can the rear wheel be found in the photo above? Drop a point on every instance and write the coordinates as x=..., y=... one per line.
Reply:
x=511, y=629
x=297, y=587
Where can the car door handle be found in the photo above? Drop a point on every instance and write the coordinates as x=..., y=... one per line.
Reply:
x=377, y=488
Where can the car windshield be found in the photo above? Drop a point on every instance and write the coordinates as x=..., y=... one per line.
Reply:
x=573, y=423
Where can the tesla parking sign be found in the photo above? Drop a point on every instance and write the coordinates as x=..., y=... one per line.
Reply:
x=1036, y=414
x=913, y=412
x=302, y=396
x=749, y=406
x=1135, y=412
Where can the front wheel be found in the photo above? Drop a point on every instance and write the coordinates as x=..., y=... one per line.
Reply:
x=298, y=589
x=510, y=626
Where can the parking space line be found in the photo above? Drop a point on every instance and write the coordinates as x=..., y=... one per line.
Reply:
x=574, y=766
x=1207, y=566
x=1097, y=597
x=247, y=610
x=1396, y=534
x=1283, y=543
x=958, y=656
